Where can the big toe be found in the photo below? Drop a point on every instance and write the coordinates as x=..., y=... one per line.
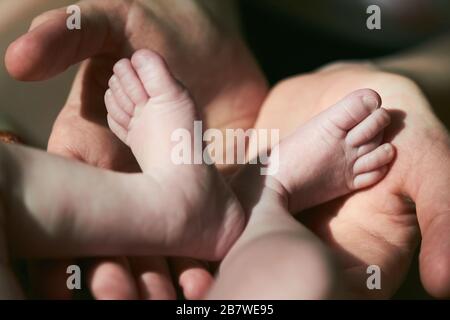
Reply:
x=354, y=108
x=368, y=128
x=154, y=73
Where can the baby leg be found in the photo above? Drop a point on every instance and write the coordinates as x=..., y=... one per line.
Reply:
x=54, y=207
x=276, y=258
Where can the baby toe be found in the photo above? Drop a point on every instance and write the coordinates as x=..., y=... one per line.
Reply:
x=154, y=74
x=116, y=112
x=372, y=167
x=122, y=99
x=368, y=179
x=130, y=82
x=371, y=145
x=354, y=108
x=369, y=128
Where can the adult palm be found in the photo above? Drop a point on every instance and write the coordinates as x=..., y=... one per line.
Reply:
x=381, y=225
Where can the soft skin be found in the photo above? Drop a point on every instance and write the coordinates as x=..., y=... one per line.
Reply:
x=113, y=30
x=380, y=225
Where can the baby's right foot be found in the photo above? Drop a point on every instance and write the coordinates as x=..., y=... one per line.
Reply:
x=146, y=106
x=335, y=153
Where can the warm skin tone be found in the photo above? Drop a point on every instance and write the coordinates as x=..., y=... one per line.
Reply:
x=379, y=225
x=337, y=152
x=113, y=30
x=424, y=138
x=36, y=226
x=342, y=139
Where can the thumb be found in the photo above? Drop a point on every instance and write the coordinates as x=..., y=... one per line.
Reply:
x=433, y=211
x=50, y=47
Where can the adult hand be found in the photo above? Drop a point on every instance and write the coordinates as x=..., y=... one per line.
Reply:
x=201, y=43
x=381, y=225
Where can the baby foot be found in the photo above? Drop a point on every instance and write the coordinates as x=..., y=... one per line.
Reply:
x=336, y=152
x=146, y=104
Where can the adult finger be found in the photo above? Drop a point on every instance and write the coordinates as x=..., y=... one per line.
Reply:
x=111, y=279
x=50, y=47
x=432, y=197
x=193, y=277
x=153, y=278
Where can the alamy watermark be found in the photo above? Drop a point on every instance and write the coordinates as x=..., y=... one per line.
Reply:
x=73, y=281
x=374, y=20
x=210, y=147
x=373, y=281
x=73, y=22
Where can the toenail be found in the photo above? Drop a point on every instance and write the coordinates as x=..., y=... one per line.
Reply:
x=119, y=66
x=139, y=60
x=112, y=80
x=387, y=148
x=370, y=102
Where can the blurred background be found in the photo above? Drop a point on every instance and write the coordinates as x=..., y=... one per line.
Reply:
x=296, y=36
x=288, y=37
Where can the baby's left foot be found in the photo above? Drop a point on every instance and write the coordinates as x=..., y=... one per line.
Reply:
x=146, y=107
x=336, y=152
